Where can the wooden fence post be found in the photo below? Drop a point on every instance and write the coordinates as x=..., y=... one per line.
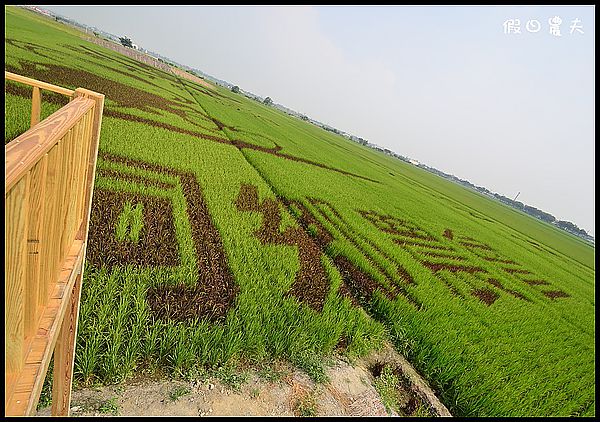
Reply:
x=36, y=106
x=64, y=353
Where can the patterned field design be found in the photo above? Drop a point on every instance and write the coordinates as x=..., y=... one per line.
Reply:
x=215, y=290
x=424, y=246
x=224, y=229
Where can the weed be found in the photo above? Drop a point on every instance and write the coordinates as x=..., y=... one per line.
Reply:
x=387, y=385
x=312, y=364
x=230, y=376
x=178, y=392
x=270, y=373
x=109, y=406
x=306, y=405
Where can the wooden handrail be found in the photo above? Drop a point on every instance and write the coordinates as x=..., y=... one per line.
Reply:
x=35, y=83
x=27, y=149
x=49, y=182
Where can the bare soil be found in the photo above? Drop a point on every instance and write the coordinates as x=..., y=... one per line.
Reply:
x=349, y=391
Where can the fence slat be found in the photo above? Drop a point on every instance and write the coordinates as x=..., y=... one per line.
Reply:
x=64, y=354
x=36, y=106
x=48, y=265
x=37, y=190
x=93, y=155
x=15, y=254
x=68, y=222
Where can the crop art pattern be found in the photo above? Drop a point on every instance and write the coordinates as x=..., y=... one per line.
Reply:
x=154, y=244
x=454, y=261
x=311, y=283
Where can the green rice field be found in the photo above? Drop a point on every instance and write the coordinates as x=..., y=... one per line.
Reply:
x=225, y=230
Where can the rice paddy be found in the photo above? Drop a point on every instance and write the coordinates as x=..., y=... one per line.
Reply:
x=223, y=229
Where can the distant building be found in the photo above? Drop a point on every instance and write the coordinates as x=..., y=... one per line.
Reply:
x=414, y=162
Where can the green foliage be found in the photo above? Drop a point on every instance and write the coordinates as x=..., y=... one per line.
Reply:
x=178, y=392
x=269, y=373
x=46, y=394
x=231, y=376
x=109, y=406
x=515, y=357
x=312, y=364
x=130, y=223
x=387, y=385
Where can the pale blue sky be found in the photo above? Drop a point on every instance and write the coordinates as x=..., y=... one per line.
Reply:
x=443, y=85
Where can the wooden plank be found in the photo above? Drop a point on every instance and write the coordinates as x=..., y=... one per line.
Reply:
x=27, y=149
x=15, y=256
x=36, y=106
x=48, y=266
x=43, y=344
x=37, y=203
x=62, y=197
x=83, y=159
x=86, y=141
x=93, y=155
x=36, y=83
x=64, y=355
x=67, y=227
x=77, y=174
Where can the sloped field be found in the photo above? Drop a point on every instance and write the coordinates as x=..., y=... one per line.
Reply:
x=223, y=229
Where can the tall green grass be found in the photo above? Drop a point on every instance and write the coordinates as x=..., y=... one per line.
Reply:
x=512, y=358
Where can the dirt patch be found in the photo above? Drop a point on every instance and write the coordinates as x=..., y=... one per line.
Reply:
x=124, y=95
x=476, y=245
x=404, y=243
x=480, y=217
x=443, y=256
x=134, y=178
x=396, y=226
x=360, y=284
x=499, y=285
x=516, y=271
x=25, y=91
x=448, y=234
x=31, y=47
x=536, y=282
x=349, y=391
x=499, y=260
x=343, y=227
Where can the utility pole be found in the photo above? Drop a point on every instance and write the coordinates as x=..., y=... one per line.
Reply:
x=517, y=196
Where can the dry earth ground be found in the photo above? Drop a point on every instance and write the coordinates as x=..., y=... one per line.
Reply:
x=349, y=391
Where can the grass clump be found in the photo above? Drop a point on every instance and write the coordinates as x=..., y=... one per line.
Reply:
x=109, y=406
x=179, y=392
x=387, y=385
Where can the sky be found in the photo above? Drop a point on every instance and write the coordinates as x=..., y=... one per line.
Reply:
x=510, y=108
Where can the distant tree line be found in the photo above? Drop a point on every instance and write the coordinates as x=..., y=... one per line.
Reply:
x=126, y=42
x=533, y=211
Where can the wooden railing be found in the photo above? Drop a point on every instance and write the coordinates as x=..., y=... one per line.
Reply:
x=49, y=176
